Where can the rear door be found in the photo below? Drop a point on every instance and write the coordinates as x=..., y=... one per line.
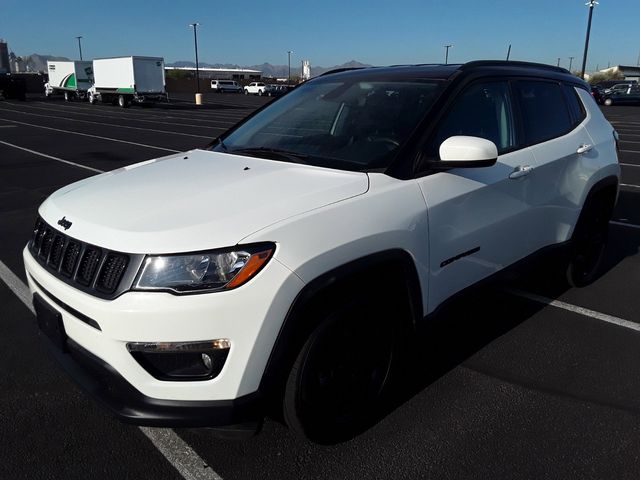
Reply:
x=553, y=122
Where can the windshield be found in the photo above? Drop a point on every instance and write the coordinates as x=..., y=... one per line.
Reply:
x=349, y=123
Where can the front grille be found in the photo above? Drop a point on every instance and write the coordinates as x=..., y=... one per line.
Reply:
x=87, y=267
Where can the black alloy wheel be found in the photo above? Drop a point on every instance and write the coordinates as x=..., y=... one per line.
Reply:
x=340, y=377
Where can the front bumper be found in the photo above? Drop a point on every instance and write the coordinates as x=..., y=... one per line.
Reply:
x=249, y=316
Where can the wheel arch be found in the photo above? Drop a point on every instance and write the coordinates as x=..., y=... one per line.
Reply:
x=332, y=286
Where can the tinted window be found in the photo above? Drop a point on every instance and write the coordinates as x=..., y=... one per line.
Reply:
x=484, y=110
x=576, y=108
x=544, y=110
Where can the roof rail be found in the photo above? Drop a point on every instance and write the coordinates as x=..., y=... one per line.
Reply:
x=512, y=63
x=338, y=70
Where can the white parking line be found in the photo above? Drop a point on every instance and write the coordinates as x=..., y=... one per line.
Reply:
x=8, y=126
x=132, y=117
x=575, y=309
x=622, y=224
x=177, y=452
x=629, y=185
x=629, y=165
x=630, y=151
x=90, y=135
x=208, y=137
x=51, y=157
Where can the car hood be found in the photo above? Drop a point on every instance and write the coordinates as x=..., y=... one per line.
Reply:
x=193, y=201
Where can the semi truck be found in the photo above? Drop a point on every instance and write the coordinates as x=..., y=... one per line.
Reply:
x=126, y=80
x=69, y=78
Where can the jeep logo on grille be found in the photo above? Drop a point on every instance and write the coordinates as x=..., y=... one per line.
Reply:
x=64, y=223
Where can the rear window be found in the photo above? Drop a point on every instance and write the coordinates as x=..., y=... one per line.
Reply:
x=544, y=111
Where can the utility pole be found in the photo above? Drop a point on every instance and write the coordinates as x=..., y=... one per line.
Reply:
x=558, y=64
x=446, y=54
x=508, y=52
x=289, y=77
x=590, y=4
x=195, y=26
x=570, y=62
x=80, y=46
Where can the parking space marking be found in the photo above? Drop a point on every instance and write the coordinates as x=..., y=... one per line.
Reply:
x=629, y=165
x=629, y=185
x=51, y=157
x=630, y=151
x=177, y=452
x=575, y=309
x=132, y=117
x=208, y=137
x=90, y=135
x=8, y=126
x=622, y=224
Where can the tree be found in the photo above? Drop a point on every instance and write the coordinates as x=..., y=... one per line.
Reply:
x=604, y=76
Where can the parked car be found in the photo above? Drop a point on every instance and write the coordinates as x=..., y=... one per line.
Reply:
x=597, y=93
x=255, y=88
x=618, y=88
x=282, y=269
x=631, y=96
x=272, y=90
x=225, y=86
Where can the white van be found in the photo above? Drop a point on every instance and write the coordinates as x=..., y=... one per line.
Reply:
x=223, y=86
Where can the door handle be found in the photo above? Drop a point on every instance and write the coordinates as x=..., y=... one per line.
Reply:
x=584, y=148
x=521, y=171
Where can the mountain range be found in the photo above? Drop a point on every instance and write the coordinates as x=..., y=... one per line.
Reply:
x=36, y=62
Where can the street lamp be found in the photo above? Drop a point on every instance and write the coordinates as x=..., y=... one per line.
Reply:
x=80, y=46
x=289, y=77
x=571, y=62
x=590, y=4
x=446, y=53
x=195, y=26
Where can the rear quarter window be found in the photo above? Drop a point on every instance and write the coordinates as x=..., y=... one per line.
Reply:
x=545, y=114
x=576, y=108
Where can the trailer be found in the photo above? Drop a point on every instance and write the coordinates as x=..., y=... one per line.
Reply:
x=126, y=80
x=71, y=79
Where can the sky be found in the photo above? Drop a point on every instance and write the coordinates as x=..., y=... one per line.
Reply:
x=327, y=32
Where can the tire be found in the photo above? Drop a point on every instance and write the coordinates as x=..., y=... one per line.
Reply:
x=67, y=97
x=123, y=102
x=246, y=92
x=92, y=99
x=588, y=242
x=259, y=93
x=608, y=102
x=341, y=375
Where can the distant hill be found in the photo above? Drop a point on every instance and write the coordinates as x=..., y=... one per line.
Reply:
x=269, y=70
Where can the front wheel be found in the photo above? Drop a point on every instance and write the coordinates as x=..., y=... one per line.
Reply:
x=608, y=102
x=92, y=99
x=246, y=92
x=339, y=379
x=67, y=97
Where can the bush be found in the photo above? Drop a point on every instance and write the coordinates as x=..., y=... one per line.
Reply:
x=604, y=76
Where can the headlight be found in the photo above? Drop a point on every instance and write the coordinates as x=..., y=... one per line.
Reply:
x=203, y=271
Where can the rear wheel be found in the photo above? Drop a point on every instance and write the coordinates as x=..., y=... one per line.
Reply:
x=67, y=96
x=589, y=241
x=92, y=99
x=123, y=102
x=340, y=376
x=608, y=102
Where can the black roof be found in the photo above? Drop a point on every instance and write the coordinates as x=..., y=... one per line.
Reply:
x=441, y=71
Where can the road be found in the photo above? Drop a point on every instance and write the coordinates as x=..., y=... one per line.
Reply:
x=524, y=379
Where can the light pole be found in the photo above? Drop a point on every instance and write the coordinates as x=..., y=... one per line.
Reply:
x=289, y=77
x=446, y=54
x=80, y=46
x=571, y=62
x=590, y=4
x=195, y=26
x=558, y=64
x=509, y=52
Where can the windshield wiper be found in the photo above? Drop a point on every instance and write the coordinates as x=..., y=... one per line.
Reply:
x=273, y=153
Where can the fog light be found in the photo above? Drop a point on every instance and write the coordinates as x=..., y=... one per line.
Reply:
x=187, y=361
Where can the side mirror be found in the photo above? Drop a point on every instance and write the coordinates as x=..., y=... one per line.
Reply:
x=463, y=151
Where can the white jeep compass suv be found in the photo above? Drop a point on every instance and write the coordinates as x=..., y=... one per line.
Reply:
x=282, y=265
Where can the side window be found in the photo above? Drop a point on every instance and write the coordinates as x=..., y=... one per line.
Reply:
x=576, y=108
x=544, y=110
x=483, y=110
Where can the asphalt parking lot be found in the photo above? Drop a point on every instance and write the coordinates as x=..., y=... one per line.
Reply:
x=522, y=380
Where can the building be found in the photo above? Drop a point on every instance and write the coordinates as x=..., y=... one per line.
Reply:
x=628, y=72
x=306, y=70
x=221, y=73
x=5, y=67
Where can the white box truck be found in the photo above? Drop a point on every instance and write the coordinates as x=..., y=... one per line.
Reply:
x=124, y=80
x=72, y=79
